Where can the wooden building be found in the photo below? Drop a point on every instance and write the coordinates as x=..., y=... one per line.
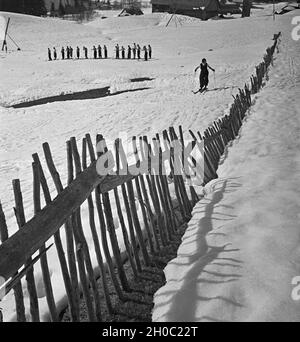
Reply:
x=203, y=9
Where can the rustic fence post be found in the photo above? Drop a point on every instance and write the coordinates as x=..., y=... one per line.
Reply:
x=153, y=192
x=58, y=243
x=129, y=248
x=20, y=215
x=81, y=241
x=18, y=291
x=95, y=235
x=43, y=260
x=111, y=227
x=103, y=234
x=141, y=200
x=146, y=197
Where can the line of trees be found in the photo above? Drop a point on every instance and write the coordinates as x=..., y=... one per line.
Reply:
x=33, y=7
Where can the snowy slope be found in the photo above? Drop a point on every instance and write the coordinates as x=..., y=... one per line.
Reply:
x=232, y=46
x=241, y=249
x=237, y=45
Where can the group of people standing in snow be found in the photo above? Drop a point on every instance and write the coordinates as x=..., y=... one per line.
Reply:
x=69, y=53
x=134, y=52
x=99, y=52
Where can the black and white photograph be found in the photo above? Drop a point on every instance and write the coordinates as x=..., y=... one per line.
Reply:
x=149, y=163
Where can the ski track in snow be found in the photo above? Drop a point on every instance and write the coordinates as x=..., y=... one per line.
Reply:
x=241, y=249
x=233, y=48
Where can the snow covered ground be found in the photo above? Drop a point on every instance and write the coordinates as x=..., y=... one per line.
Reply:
x=241, y=249
x=232, y=46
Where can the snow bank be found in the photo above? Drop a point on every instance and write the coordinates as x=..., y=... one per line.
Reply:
x=241, y=249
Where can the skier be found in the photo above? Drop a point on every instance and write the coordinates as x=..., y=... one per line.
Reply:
x=123, y=52
x=134, y=50
x=204, y=74
x=85, y=52
x=62, y=53
x=68, y=52
x=54, y=53
x=5, y=48
x=77, y=52
x=117, y=51
x=71, y=52
x=95, y=52
x=49, y=55
x=105, y=51
x=150, y=51
x=138, y=52
x=99, y=51
x=129, y=52
x=145, y=53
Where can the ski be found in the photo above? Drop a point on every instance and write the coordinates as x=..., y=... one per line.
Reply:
x=200, y=91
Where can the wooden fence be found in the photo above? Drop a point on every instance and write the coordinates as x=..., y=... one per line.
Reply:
x=142, y=236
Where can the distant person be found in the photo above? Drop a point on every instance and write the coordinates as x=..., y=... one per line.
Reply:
x=129, y=52
x=145, y=53
x=95, y=52
x=54, y=54
x=5, y=48
x=123, y=52
x=49, y=55
x=85, y=52
x=71, y=52
x=68, y=52
x=99, y=51
x=150, y=51
x=105, y=51
x=62, y=53
x=77, y=52
x=117, y=51
x=138, y=49
x=134, y=50
x=203, y=78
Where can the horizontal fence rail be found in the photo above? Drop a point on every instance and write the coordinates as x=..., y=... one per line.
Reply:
x=149, y=207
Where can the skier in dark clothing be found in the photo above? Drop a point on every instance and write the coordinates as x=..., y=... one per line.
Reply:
x=138, y=51
x=204, y=74
x=129, y=52
x=85, y=52
x=49, y=55
x=77, y=52
x=123, y=52
x=150, y=51
x=5, y=48
x=71, y=52
x=62, y=53
x=117, y=51
x=99, y=51
x=95, y=52
x=54, y=53
x=105, y=51
x=68, y=52
x=145, y=53
x=134, y=50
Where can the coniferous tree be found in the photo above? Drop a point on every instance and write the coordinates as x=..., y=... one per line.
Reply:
x=246, y=8
x=52, y=9
x=61, y=9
